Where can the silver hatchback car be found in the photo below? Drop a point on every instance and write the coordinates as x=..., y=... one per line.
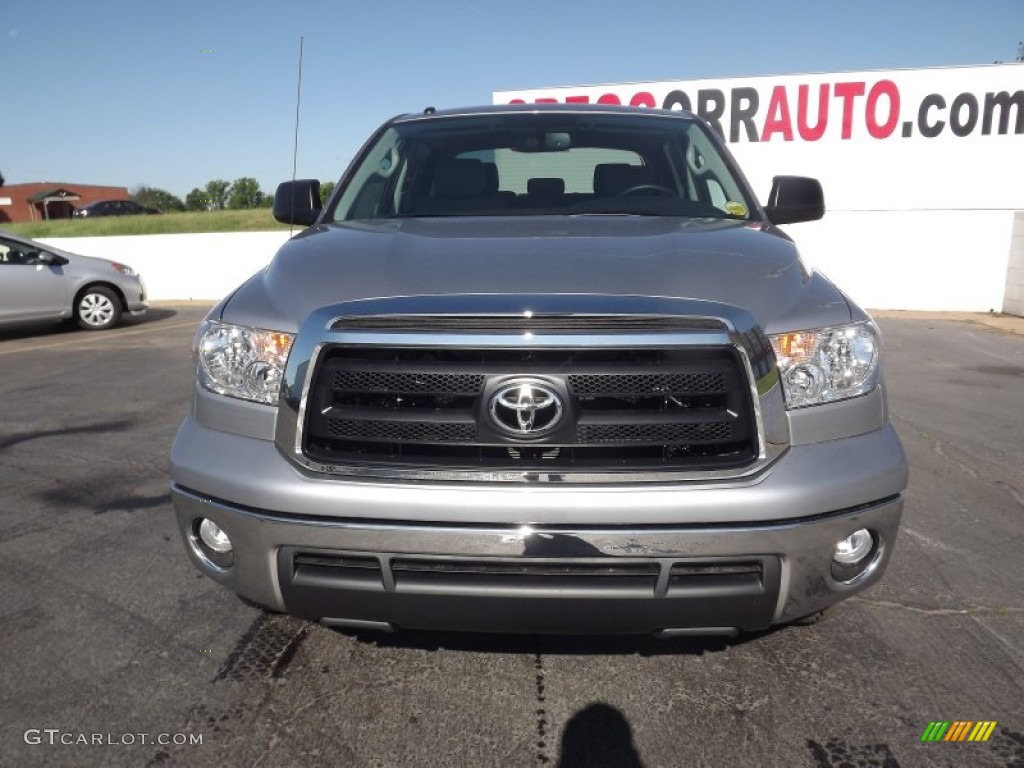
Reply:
x=39, y=282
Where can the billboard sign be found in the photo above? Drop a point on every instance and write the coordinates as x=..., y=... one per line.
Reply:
x=924, y=139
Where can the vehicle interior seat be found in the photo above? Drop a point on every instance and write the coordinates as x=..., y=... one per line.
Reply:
x=543, y=192
x=461, y=185
x=612, y=179
x=492, y=184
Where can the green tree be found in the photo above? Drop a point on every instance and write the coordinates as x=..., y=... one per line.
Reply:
x=217, y=193
x=326, y=187
x=161, y=199
x=245, y=193
x=197, y=200
x=1, y=179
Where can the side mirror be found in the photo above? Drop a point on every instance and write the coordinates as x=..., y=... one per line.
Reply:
x=51, y=259
x=298, y=202
x=795, y=198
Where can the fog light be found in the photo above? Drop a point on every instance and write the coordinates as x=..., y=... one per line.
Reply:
x=214, y=537
x=211, y=545
x=853, y=548
x=856, y=556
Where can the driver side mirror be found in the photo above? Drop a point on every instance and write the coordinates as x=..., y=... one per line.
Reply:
x=794, y=199
x=51, y=259
x=298, y=202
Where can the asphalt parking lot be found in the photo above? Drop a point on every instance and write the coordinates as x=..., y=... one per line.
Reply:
x=107, y=630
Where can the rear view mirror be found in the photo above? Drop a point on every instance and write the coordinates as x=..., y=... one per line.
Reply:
x=298, y=202
x=795, y=198
x=544, y=142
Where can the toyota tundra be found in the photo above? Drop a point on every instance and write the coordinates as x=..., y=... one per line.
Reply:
x=544, y=369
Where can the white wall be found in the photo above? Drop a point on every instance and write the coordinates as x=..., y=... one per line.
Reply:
x=175, y=267
x=925, y=260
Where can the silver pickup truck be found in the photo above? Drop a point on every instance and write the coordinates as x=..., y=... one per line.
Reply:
x=541, y=369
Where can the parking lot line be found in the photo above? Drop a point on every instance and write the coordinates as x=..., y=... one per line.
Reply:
x=77, y=339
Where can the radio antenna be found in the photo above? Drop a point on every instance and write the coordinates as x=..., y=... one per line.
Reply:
x=295, y=149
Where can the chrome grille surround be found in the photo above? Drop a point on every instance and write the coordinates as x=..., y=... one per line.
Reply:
x=516, y=322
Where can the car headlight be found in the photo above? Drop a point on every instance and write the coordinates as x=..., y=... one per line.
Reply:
x=247, y=363
x=124, y=269
x=827, y=364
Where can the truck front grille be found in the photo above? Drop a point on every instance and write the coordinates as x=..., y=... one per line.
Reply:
x=639, y=409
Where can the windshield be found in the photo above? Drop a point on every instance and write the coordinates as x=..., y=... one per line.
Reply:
x=537, y=164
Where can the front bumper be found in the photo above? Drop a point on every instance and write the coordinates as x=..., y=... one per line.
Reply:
x=670, y=559
x=135, y=297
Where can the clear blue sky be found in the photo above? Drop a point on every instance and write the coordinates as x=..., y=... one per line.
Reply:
x=172, y=94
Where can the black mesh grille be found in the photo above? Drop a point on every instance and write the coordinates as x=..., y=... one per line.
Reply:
x=655, y=433
x=623, y=409
x=414, y=431
x=410, y=382
x=645, y=384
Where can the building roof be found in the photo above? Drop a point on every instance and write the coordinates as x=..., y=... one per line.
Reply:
x=60, y=193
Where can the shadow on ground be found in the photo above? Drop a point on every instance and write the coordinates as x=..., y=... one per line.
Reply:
x=69, y=328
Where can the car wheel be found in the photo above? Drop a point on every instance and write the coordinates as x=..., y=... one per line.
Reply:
x=97, y=308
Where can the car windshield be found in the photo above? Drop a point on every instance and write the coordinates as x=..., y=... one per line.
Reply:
x=540, y=164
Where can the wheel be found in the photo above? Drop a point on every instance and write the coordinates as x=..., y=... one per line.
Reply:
x=97, y=308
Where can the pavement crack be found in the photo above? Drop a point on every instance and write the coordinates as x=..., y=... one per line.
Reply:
x=543, y=758
x=1017, y=496
x=936, y=544
x=937, y=447
x=974, y=610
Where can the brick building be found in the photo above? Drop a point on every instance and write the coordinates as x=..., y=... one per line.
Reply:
x=51, y=199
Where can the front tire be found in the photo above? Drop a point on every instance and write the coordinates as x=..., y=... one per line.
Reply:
x=97, y=308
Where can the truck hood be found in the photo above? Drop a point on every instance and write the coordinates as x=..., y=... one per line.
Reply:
x=753, y=268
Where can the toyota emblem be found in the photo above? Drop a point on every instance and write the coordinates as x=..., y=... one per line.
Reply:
x=526, y=408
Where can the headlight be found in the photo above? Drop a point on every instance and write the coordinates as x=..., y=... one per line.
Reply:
x=124, y=269
x=242, y=362
x=828, y=364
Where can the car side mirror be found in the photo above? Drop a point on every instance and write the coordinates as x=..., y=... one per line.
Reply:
x=794, y=199
x=51, y=259
x=298, y=202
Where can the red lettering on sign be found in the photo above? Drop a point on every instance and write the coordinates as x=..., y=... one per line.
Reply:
x=609, y=98
x=545, y=101
x=848, y=92
x=807, y=133
x=879, y=89
x=642, y=99
x=577, y=99
x=778, y=120
x=517, y=101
